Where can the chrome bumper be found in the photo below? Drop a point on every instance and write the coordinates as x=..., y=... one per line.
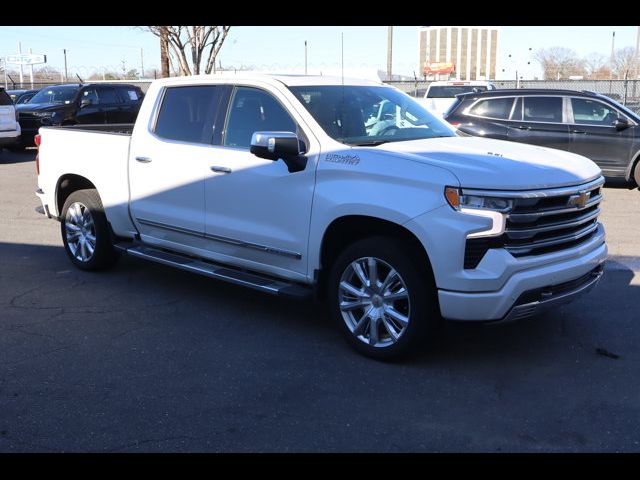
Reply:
x=549, y=298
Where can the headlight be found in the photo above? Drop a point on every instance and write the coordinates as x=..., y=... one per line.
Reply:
x=45, y=114
x=494, y=208
x=458, y=200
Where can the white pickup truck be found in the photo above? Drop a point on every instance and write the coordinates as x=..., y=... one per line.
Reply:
x=295, y=185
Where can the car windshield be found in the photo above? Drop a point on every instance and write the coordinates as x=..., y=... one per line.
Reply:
x=450, y=91
x=55, y=96
x=369, y=115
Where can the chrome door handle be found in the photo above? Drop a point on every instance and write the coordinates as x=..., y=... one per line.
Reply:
x=218, y=169
x=143, y=159
x=582, y=132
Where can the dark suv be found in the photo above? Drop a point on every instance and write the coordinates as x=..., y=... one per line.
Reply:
x=79, y=104
x=585, y=123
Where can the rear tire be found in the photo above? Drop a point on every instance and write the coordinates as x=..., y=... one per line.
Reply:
x=383, y=300
x=636, y=173
x=85, y=231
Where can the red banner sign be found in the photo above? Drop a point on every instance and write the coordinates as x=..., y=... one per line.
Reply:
x=439, y=67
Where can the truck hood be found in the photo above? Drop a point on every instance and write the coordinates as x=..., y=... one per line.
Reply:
x=497, y=164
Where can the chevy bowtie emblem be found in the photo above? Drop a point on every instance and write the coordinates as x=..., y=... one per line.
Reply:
x=580, y=200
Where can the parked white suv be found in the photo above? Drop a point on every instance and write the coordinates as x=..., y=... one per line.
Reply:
x=441, y=95
x=9, y=127
x=349, y=189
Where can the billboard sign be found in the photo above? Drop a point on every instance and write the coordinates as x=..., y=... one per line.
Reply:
x=26, y=59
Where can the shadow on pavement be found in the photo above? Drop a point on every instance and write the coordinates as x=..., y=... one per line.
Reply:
x=7, y=156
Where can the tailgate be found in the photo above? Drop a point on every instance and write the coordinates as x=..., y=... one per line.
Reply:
x=7, y=118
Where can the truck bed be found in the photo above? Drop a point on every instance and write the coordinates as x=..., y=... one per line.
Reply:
x=96, y=152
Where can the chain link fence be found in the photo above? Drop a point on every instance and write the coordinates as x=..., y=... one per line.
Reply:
x=625, y=92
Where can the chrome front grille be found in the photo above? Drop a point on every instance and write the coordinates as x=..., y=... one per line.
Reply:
x=542, y=221
x=553, y=220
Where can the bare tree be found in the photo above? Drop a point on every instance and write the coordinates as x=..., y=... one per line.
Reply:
x=559, y=62
x=194, y=48
x=625, y=61
x=597, y=66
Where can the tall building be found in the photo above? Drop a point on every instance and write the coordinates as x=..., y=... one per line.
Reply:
x=472, y=52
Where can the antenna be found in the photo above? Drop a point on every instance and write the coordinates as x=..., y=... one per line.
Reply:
x=81, y=81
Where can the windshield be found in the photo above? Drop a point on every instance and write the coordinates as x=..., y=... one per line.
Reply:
x=369, y=115
x=450, y=91
x=55, y=96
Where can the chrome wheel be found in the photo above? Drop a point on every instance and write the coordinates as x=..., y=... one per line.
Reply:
x=80, y=231
x=374, y=301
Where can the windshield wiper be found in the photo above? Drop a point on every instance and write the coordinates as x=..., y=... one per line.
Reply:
x=372, y=143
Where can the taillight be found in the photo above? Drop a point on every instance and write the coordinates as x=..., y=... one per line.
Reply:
x=37, y=139
x=455, y=124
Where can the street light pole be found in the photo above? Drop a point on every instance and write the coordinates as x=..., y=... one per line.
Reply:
x=66, y=77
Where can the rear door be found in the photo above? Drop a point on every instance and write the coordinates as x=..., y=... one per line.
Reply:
x=540, y=120
x=168, y=164
x=7, y=113
x=594, y=136
x=90, y=113
x=130, y=104
x=488, y=117
x=110, y=104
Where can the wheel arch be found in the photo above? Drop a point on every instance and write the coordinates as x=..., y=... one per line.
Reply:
x=66, y=185
x=348, y=229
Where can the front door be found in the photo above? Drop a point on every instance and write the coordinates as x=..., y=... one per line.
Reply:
x=257, y=212
x=594, y=136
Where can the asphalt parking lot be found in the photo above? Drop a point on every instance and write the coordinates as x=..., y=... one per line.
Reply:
x=144, y=358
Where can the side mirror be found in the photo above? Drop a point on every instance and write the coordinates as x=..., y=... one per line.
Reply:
x=85, y=102
x=279, y=145
x=621, y=123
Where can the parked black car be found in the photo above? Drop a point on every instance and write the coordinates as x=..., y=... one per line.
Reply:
x=585, y=123
x=79, y=104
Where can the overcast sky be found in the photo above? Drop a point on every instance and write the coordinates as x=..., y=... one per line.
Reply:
x=282, y=48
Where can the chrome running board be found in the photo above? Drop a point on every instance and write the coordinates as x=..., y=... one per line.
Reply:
x=225, y=273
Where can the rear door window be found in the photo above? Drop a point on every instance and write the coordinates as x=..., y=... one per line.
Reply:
x=499, y=108
x=543, y=109
x=108, y=95
x=187, y=114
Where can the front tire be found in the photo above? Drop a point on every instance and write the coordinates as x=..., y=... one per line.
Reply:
x=636, y=173
x=85, y=231
x=384, y=301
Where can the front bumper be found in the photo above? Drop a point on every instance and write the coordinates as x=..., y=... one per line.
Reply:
x=517, y=298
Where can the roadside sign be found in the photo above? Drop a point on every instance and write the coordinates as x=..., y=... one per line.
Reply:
x=26, y=59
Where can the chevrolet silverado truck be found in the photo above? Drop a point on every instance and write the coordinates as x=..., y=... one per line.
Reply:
x=297, y=186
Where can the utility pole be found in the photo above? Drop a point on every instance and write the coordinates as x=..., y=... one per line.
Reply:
x=613, y=55
x=305, y=57
x=637, y=62
x=66, y=76
x=21, y=72
x=164, y=52
x=389, y=51
x=31, y=71
x=141, y=76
